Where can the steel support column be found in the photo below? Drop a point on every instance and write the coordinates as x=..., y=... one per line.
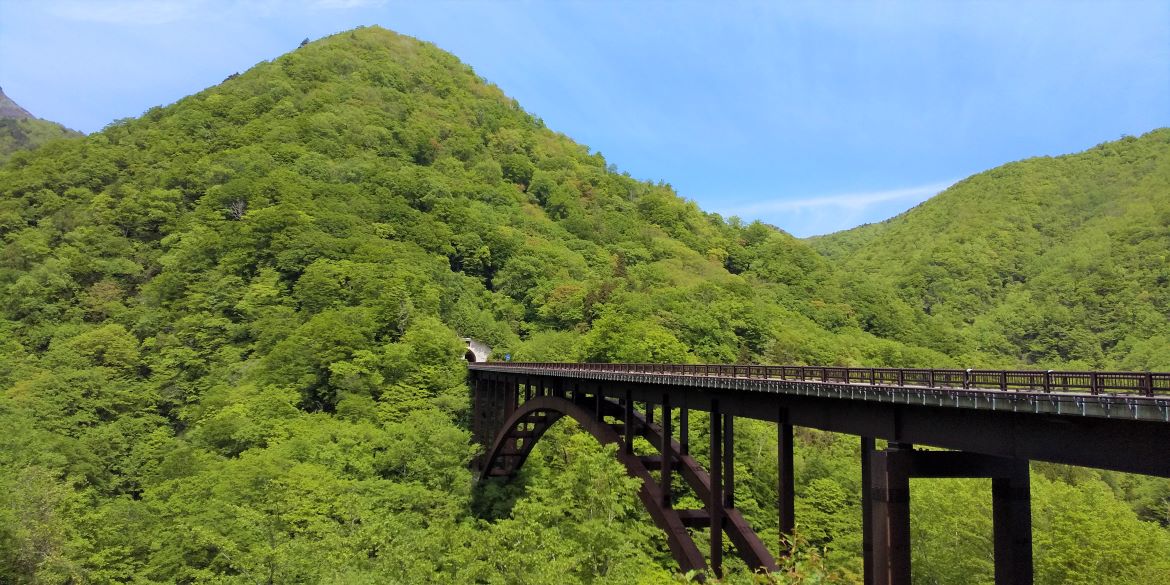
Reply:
x=665, y=450
x=898, y=512
x=890, y=514
x=628, y=422
x=785, y=481
x=476, y=411
x=598, y=399
x=510, y=398
x=867, y=520
x=886, y=540
x=715, y=502
x=1011, y=505
x=729, y=460
x=879, y=518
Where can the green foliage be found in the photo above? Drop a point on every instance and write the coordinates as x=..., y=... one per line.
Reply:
x=1047, y=262
x=230, y=336
x=28, y=133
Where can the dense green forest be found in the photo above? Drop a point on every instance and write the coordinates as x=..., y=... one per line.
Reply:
x=27, y=134
x=231, y=327
x=1048, y=262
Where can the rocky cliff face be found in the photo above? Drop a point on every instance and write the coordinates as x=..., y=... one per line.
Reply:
x=10, y=109
x=20, y=130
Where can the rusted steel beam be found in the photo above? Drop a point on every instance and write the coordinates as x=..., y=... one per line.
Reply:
x=747, y=543
x=667, y=452
x=682, y=547
x=897, y=499
x=729, y=460
x=1011, y=509
x=715, y=489
x=868, y=557
x=785, y=489
x=695, y=518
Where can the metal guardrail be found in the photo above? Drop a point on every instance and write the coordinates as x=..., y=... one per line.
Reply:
x=1094, y=383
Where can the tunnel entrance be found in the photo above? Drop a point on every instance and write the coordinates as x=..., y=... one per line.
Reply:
x=469, y=356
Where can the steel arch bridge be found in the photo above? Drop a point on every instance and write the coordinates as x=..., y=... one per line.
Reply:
x=528, y=422
x=992, y=423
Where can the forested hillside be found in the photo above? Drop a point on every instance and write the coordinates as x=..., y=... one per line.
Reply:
x=1048, y=262
x=231, y=348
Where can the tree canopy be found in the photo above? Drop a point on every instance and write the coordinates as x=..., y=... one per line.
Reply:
x=230, y=336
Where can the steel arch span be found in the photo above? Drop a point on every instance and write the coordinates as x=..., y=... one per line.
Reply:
x=976, y=423
x=524, y=424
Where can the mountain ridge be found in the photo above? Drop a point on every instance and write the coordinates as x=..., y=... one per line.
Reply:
x=1031, y=228
x=10, y=109
x=20, y=130
x=232, y=350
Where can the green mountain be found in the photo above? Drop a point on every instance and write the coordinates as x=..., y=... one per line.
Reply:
x=231, y=344
x=20, y=130
x=1047, y=262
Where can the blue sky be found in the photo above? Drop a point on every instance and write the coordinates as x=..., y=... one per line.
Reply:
x=813, y=116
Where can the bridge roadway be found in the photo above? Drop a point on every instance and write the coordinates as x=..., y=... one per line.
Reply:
x=991, y=422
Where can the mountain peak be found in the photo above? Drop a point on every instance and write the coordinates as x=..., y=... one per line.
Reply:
x=10, y=109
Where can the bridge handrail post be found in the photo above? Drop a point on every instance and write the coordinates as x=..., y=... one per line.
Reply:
x=930, y=378
x=901, y=377
x=1048, y=381
x=1003, y=380
x=1148, y=381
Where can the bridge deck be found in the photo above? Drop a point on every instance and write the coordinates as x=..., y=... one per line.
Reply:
x=1124, y=426
x=1126, y=395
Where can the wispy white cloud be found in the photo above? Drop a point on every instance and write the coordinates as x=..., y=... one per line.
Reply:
x=136, y=12
x=154, y=12
x=826, y=214
x=845, y=201
x=331, y=4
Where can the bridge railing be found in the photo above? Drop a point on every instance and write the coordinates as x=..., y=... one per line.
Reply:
x=1132, y=383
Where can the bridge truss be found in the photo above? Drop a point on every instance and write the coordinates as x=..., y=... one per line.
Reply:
x=991, y=422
